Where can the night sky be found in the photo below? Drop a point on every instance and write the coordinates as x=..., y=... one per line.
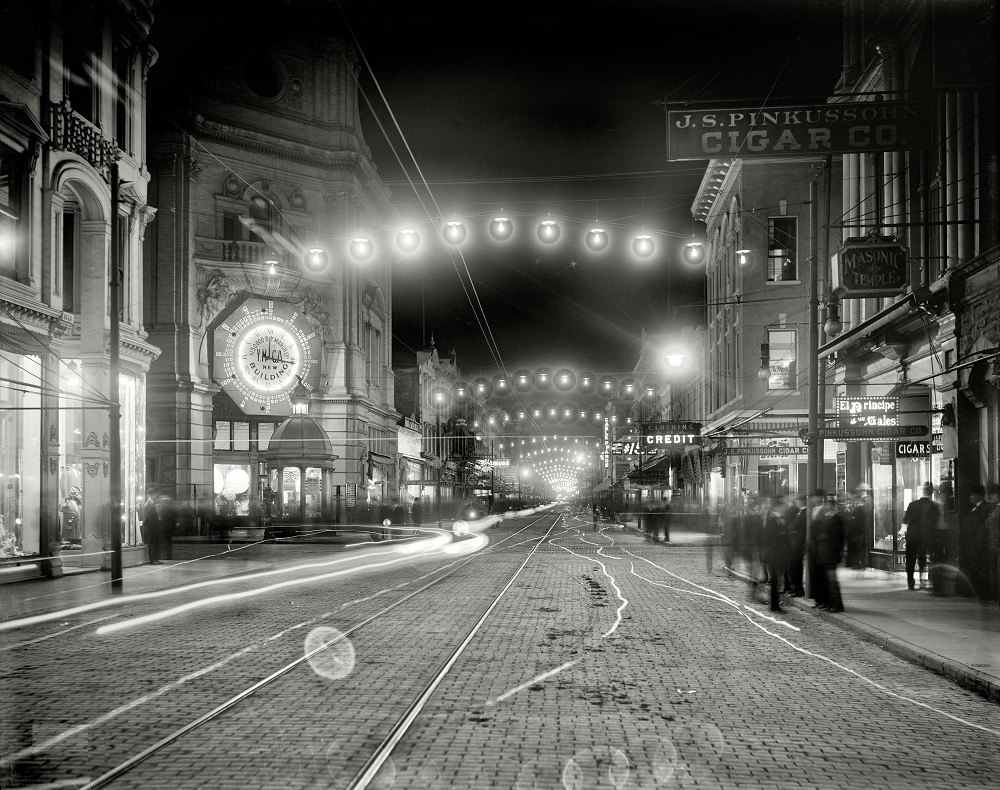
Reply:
x=539, y=109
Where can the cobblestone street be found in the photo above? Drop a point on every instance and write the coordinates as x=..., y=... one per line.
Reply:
x=609, y=662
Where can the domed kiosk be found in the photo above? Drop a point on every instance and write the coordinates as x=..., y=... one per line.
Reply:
x=299, y=461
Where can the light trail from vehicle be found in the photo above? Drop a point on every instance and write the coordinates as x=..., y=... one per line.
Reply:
x=435, y=545
x=440, y=538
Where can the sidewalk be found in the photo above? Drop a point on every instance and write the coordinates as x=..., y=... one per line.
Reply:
x=77, y=587
x=953, y=636
x=956, y=637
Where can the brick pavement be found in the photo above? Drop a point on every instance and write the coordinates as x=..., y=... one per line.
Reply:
x=686, y=692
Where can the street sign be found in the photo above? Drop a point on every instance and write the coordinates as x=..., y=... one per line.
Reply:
x=873, y=432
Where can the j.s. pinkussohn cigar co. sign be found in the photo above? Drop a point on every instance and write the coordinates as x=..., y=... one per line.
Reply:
x=838, y=128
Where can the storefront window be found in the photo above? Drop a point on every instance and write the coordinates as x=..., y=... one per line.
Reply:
x=70, y=460
x=291, y=488
x=314, y=493
x=20, y=455
x=882, y=500
x=132, y=396
x=232, y=490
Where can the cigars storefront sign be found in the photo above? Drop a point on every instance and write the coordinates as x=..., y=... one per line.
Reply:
x=838, y=128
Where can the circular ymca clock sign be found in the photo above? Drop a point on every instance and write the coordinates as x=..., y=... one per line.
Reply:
x=259, y=352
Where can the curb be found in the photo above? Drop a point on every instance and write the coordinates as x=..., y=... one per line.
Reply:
x=961, y=674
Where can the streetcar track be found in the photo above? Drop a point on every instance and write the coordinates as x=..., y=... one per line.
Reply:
x=140, y=757
x=371, y=767
x=47, y=745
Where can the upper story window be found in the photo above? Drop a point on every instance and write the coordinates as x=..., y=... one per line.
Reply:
x=70, y=250
x=261, y=212
x=782, y=247
x=10, y=211
x=123, y=99
x=782, y=365
x=80, y=59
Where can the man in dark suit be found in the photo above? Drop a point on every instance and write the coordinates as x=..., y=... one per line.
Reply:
x=151, y=527
x=796, y=539
x=972, y=541
x=921, y=518
x=832, y=533
x=774, y=547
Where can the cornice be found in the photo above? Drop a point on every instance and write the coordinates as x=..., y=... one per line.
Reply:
x=284, y=149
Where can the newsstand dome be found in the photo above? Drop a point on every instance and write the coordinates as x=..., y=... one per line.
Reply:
x=299, y=441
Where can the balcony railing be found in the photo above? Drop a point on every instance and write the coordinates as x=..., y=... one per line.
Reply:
x=253, y=252
x=70, y=131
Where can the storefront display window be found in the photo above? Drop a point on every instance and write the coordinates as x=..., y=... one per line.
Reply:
x=132, y=396
x=71, y=460
x=20, y=455
x=232, y=490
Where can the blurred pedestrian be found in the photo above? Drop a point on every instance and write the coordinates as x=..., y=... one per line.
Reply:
x=921, y=518
x=817, y=576
x=151, y=527
x=829, y=540
x=417, y=511
x=398, y=514
x=774, y=547
x=797, y=548
x=972, y=542
x=859, y=528
x=993, y=542
x=166, y=510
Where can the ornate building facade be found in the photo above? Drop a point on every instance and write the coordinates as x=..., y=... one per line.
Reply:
x=72, y=103
x=264, y=178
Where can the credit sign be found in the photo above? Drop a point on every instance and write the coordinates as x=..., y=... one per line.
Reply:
x=676, y=433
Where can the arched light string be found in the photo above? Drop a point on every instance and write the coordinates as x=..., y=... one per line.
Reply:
x=454, y=233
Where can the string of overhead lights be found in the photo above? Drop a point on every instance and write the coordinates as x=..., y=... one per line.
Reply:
x=501, y=228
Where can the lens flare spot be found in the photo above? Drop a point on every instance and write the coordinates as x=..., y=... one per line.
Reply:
x=602, y=766
x=664, y=761
x=336, y=659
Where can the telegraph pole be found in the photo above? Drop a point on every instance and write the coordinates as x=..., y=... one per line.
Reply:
x=114, y=408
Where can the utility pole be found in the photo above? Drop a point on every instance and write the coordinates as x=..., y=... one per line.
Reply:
x=114, y=408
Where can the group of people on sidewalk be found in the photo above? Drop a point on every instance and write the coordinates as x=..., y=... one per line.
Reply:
x=786, y=544
x=775, y=532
